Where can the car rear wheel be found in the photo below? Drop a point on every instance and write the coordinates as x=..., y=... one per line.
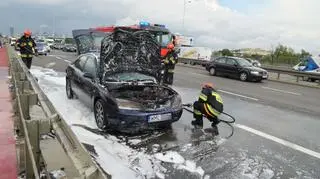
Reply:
x=100, y=114
x=212, y=71
x=243, y=76
x=69, y=89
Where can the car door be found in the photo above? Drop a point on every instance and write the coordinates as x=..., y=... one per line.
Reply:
x=231, y=67
x=77, y=75
x=220, y=65
x=88, y=83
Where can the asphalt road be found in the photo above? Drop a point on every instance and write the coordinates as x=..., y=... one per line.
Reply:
x=276, y=132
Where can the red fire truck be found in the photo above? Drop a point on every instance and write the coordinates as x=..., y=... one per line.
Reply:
x=162, y=34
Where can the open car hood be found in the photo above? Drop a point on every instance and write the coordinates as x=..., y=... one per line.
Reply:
x=130, y=50
x=122, y=50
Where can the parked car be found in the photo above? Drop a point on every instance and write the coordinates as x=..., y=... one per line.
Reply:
x=236, y=67
x=255, y=63
x=42, y=48
x=69, y=48
x=120, y=82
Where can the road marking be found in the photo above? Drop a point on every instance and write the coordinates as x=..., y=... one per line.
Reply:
x=67, y=61
x=282, y=91
x=58, y=57
x=280, y=141
x=239, y=95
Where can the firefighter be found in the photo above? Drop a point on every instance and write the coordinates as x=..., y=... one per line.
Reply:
x=27, y=48
x=210, y=105
x=169, y=61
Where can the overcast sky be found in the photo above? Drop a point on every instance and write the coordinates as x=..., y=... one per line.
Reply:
x=213, y=23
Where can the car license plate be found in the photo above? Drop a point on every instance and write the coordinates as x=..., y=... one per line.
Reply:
x=264, y=76
x=160, y=117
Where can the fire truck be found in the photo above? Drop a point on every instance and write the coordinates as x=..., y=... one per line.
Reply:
x=161, y=33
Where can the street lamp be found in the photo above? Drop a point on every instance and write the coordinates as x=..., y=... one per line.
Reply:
x=184, y=11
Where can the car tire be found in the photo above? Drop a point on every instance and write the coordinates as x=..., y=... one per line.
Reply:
x=69, y=89
x=100, y=114
x=212, y=71
x=243, y=76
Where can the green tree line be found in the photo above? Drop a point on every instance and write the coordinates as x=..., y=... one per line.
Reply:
x=279, y=55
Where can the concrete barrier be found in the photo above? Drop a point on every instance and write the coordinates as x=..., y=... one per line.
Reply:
x=46, y=142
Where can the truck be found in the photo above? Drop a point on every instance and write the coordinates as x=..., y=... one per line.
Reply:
x=161, y=33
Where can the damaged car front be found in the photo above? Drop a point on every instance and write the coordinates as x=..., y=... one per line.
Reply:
x=125, y=92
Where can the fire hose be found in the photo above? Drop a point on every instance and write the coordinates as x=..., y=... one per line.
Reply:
x=228, y=122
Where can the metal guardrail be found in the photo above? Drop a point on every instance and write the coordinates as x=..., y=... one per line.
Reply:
x=26, y=93
x=192, y=61
x=298, y=74
x=279, y=71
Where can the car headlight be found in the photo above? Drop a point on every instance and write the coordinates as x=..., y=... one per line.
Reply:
x=177, y=102
x=254, y=72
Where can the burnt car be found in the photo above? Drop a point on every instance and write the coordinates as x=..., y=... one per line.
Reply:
x=117, y=74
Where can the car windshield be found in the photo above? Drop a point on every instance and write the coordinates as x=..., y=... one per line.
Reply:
x=128, y=77
x=243, y=62
x=164, y=39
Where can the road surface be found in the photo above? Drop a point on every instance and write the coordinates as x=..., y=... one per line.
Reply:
x=275, y=135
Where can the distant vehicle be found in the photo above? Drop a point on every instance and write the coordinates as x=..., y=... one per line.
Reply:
x=236, y=67
x=13, y=41
x=42, y=48
x=50, y=42
x=120, y=80
x=69, y=48
x=310, y=65
x=255, y=63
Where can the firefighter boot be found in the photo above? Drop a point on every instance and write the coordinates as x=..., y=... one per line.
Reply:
x=215, y=130
x=198, y=122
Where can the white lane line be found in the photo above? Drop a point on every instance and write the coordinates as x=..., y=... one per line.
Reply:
x=280, y=141
x=58, y=57
x=282, y=91
x=67, y=61
x=239, y=95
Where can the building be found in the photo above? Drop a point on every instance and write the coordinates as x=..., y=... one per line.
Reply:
x=11, y=31
x=250, y=51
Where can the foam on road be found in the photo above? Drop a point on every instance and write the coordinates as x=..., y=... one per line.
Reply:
x=244, y=155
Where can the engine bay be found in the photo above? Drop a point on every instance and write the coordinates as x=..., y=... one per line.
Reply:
x=146, y=96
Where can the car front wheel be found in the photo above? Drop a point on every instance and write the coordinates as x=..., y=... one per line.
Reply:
x=212, y=71
x=100, y=114
x=69, y=89
x=243, y=76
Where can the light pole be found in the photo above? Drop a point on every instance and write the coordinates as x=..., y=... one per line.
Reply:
x=184, y=13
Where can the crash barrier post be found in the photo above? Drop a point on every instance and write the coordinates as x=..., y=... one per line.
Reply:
x=278, y=71
x=37, y=117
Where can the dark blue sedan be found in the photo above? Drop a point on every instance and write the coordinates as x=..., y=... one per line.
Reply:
x=120, y=81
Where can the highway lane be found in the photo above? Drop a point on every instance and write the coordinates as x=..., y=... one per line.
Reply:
x=287, y=96
x=265, y=107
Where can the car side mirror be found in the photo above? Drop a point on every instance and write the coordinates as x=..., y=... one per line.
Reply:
x=88, y=75
x=236, y=65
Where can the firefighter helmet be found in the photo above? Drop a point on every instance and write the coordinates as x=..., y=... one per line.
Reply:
x=208, y=85
x=27, y=32
x=170, y=46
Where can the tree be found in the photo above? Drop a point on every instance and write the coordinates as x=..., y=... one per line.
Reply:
x=226, y=52
x=69, y=41
x=304, y=54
